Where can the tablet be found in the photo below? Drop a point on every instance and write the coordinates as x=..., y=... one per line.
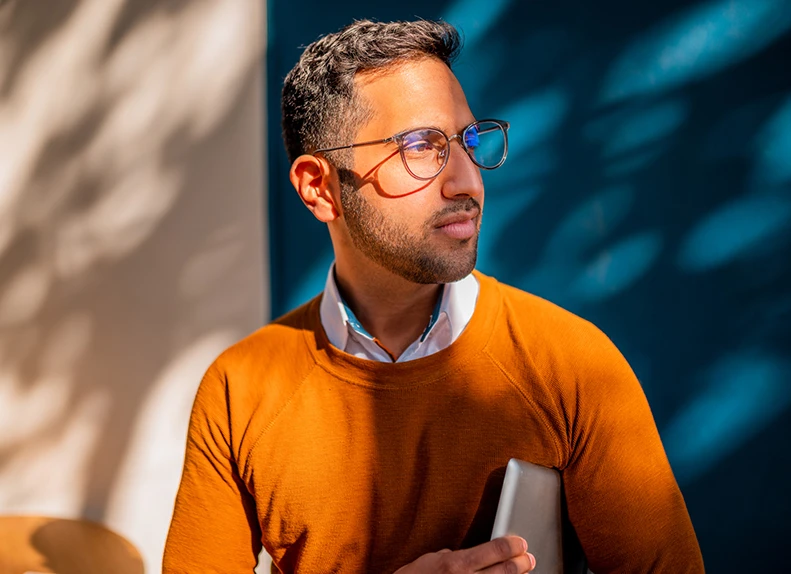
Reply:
x=531, y=506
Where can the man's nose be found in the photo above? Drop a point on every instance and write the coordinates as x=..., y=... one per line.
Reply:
x=461, y=176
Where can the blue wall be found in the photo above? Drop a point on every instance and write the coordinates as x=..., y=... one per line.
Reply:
x=648, y=189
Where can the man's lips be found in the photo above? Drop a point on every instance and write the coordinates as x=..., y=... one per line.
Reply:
x=459, y=217
x=459, y=225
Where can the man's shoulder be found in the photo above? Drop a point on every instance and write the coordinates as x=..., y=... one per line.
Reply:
x=253, y=379
x=526, y=307
x=285, y=340
x=571, y=355
x=544, y=324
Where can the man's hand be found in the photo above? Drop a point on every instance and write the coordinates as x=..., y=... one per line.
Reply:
x=506, y=555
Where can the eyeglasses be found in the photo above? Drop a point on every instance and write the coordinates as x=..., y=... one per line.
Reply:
x=425, y=151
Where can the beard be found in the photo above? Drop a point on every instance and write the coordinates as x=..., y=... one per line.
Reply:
x=390, y=244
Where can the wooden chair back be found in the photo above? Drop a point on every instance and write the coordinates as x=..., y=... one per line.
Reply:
x=39, y=544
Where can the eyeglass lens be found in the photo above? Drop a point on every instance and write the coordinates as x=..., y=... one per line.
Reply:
x=425, y=151
x=485, y=141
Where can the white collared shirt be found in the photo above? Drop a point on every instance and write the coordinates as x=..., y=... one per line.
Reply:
x=451, y=315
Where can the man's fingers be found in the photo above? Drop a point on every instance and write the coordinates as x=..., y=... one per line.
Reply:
x=506, y=555
x=493, y=552
x=523, y=563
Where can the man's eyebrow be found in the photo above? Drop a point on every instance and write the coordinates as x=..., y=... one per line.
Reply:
x=434, y=127
x=421, y=127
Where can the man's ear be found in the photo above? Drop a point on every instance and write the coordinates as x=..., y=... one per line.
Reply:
x=314, y=178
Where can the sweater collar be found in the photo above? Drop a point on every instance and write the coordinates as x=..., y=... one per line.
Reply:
x=381, y=375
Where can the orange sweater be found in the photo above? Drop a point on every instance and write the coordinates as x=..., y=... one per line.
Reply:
x=338, y=464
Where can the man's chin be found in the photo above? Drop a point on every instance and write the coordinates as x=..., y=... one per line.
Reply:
x=450, y=271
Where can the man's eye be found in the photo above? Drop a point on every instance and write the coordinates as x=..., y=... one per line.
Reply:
x=419, y=147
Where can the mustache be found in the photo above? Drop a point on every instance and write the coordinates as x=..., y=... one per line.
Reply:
x=466, y=205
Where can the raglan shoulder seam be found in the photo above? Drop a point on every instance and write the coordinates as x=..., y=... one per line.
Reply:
x=275, y=418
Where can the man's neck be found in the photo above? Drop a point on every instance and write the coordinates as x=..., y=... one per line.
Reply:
x=393, y=310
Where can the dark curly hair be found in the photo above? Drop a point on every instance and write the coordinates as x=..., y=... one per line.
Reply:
x=320, y=105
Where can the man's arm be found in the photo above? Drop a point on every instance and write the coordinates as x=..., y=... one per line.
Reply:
x=622, y=496
x=214, y=526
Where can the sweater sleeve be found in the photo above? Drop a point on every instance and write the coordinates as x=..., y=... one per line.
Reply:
x=214, y=527
x=622, y=497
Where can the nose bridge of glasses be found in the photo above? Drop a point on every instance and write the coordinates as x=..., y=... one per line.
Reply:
x=456, y=137
x=463, y=145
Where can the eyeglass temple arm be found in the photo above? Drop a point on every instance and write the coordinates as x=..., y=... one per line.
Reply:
x=502, y=125
x=361, y=144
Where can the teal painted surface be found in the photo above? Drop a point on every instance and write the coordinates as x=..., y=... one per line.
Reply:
x=648, y=189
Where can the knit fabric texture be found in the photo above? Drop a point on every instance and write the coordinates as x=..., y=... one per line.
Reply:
x=340, y=464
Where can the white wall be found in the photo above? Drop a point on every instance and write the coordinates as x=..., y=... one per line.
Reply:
x=132, y=246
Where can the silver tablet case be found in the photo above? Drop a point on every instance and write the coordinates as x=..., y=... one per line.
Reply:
x=531, y=507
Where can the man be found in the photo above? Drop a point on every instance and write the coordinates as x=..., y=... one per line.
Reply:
x=363, y=431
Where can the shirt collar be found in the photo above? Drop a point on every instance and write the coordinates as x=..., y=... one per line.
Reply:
x=455, y=305
x=435, y=314
x=334, y=317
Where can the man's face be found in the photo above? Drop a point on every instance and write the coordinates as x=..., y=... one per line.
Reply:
x=423, y=231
